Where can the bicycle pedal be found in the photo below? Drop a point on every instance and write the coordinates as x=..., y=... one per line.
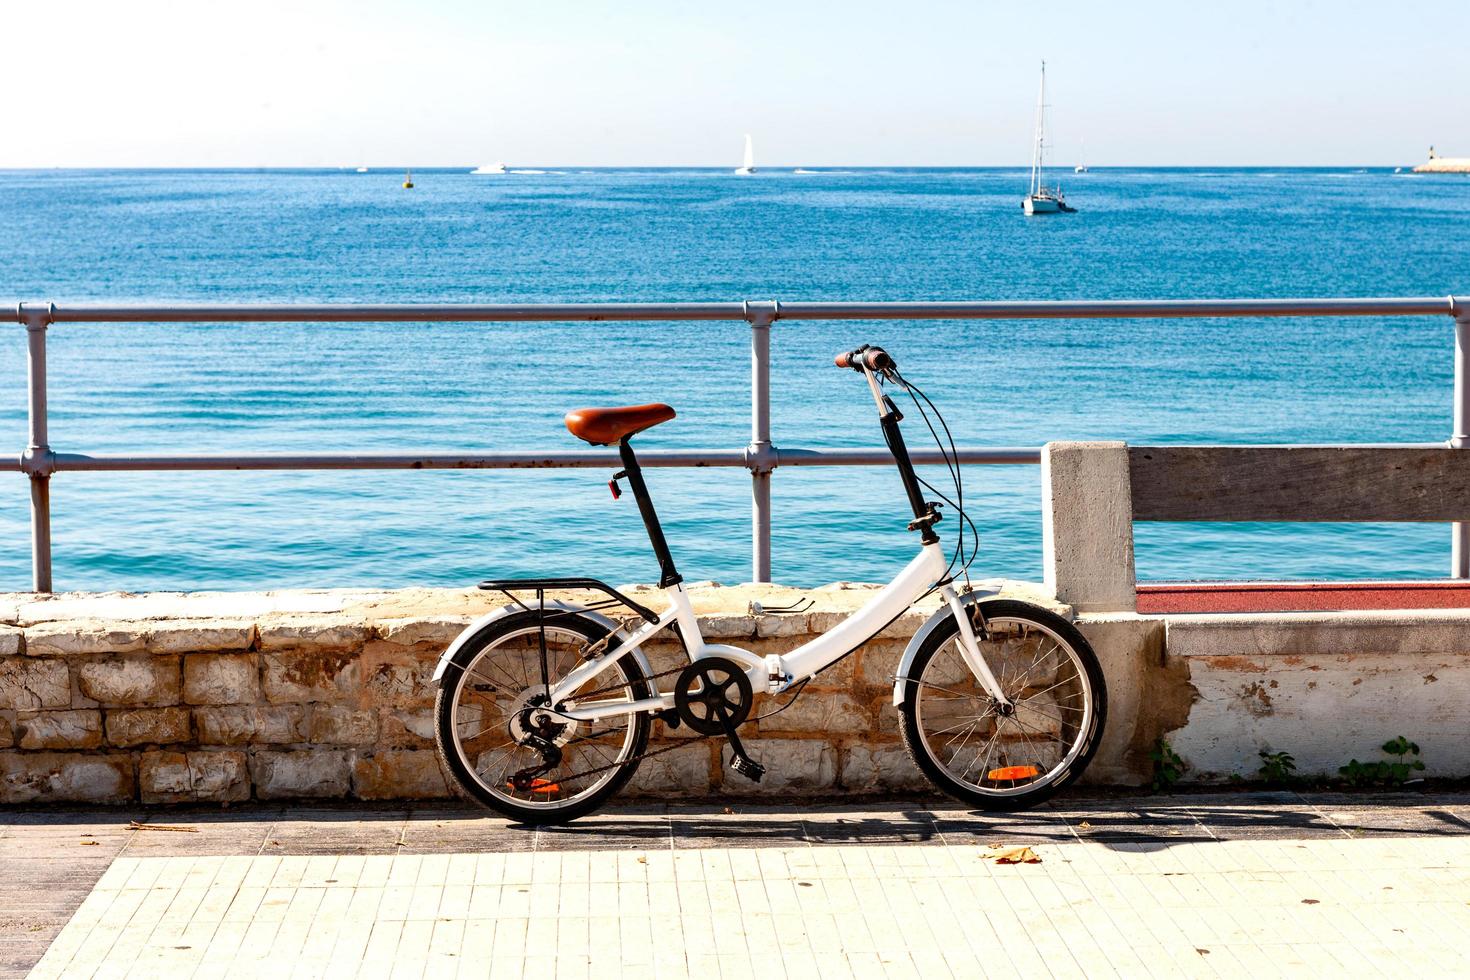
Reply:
x=748, y=768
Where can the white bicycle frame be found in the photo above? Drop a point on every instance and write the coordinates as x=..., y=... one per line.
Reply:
x=776, y=673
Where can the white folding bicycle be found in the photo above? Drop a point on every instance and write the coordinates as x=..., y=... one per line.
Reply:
x=544, y=707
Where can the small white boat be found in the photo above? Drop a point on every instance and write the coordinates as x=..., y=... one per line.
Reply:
x=362, y=170
x=1081, y=167
x=1042, y=199
x=490, y=168
x=748, y=167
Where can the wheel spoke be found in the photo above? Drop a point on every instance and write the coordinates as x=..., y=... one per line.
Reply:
x=969, y=728
x=487, y=662
x=966, y=741
x=960, y=724
x=1056, y=648
x=1052, y=688
x=490, y=701
x=994, y=738
x=957, y=694
x=467, y=740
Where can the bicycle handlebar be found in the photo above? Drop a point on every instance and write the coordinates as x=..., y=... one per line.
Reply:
x=866, y=356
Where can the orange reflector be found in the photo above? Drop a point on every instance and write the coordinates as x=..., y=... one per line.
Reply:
x=1010, y=773
x=539, y=786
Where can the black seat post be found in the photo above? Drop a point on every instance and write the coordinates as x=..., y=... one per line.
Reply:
x=667, y=574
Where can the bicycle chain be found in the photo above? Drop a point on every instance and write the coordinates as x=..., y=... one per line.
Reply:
x=643, y=755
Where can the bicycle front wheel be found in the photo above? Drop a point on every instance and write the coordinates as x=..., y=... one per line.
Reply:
x=491, y=736
x=1005, y=756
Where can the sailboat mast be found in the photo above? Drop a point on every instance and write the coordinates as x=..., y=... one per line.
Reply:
x=1036, y=154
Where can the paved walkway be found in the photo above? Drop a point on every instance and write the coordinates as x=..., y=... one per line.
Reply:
x=1229, y=885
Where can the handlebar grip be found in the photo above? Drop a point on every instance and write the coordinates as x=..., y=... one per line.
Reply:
x=872, y=358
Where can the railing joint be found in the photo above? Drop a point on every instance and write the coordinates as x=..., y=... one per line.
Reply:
x=761, y=313
x=35, y=319
x=38, y=461
x=761, y=457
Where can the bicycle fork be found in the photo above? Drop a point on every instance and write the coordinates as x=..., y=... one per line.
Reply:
x=970, y=647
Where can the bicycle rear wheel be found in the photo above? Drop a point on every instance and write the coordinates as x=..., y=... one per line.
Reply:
x=485, y=730
x=1005, y=757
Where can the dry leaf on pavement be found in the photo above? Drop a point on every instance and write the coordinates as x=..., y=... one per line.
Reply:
x=1011, y=855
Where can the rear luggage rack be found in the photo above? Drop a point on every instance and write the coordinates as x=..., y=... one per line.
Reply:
x=510, y=586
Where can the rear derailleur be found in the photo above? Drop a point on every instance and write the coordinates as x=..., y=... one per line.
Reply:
x=534, y=729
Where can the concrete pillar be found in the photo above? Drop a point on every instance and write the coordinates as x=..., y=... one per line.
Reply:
x=1087, y=525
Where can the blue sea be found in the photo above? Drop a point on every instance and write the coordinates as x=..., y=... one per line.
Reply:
x=670, y=235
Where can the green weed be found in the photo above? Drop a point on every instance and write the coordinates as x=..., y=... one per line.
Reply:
x=1169, y=767
x=1277, y=768
x=1388, y=772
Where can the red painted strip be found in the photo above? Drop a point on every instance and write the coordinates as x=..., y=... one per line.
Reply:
x=1245, y=597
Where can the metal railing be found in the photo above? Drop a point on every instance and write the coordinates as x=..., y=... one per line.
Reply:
x=39, y=462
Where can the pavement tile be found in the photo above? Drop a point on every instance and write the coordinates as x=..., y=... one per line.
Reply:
x=1006, y=828
x=872, y=829
x=1367, y=816
x=1228, y=884
x=696, y=833
x=652, y=834
x=300, y=835
x=1162, y=825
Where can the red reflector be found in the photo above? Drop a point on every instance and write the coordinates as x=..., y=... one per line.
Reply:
x=539, y=786
x=1012, y=773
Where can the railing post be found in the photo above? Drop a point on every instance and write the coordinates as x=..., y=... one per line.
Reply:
x=36, y=462
x=760, y=456
x=1460, y=530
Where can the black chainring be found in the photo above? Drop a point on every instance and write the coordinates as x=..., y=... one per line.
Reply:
x=713, y=696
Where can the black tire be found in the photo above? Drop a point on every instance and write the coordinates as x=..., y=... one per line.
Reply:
x=490, y=660
x=1080, y=735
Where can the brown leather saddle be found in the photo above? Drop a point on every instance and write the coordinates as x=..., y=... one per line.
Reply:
x=606, y=426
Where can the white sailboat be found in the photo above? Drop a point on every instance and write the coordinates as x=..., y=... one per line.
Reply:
x=1042, y=199
x=1081, y=167
x=490, y=168
x=748, y=167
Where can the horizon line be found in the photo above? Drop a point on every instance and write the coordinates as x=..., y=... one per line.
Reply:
x=352, y=168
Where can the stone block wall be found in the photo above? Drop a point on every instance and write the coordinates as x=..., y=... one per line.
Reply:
x=328, y=695
x=113, y=707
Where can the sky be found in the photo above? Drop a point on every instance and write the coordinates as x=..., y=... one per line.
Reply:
x=661, y=83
